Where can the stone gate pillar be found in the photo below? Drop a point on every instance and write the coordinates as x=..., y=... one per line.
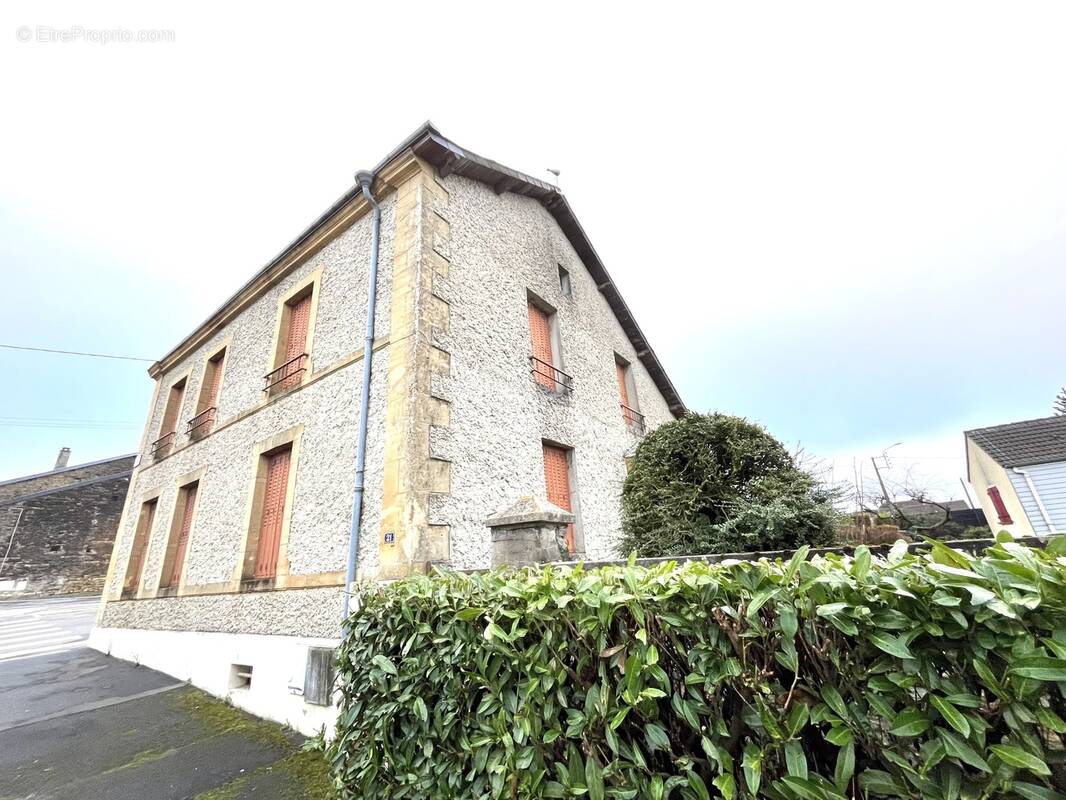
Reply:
x=531, y=531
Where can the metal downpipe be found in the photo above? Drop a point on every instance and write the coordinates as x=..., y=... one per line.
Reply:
x=365, y=180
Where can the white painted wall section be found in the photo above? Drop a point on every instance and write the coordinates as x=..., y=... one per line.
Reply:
x=205, y=660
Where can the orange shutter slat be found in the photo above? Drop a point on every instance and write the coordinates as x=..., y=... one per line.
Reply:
x=183, y=535
x=557, y=484
x=541, y=339
x=277, y=482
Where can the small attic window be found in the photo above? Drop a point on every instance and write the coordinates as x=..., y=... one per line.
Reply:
x=564, y=282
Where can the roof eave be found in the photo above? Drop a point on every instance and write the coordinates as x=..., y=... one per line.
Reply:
x=448, y=158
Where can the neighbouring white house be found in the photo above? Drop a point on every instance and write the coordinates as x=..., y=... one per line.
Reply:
x=445, y=329
x=1019, y=473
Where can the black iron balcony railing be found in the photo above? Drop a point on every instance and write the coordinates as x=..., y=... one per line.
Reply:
x=287, y=375
x=634, y=419
x=202, y=423
x=548, y=376
x=161, y=446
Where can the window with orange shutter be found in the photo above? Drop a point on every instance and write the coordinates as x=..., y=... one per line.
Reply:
x=634, y=419
x=623, y=391
x=176, y=561
x=135, y=566
x=540, y=334
x=272, y=516
x=557, y=483
x=291, y=358
x=206, y=409
x=168, y=427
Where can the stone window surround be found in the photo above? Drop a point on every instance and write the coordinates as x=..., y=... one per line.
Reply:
x=241, y=579
x=151, y=496
x=556, y=338
x=631, y=393
x=183, y=380
x=173, y=530
x=575, y=498
x=223, y=350
x=311, y=284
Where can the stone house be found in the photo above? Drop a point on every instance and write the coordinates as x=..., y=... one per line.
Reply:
x=57, y=527
x=503, y=365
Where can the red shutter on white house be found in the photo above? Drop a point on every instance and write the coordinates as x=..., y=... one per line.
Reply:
x=269, y=543
x=189, y=493
x=135, y=569
x=540, y=335
x=211, y=400
x=557, y=483
x=296, y=342
x=170, y=415
x=1000, y=506
x=299, y=320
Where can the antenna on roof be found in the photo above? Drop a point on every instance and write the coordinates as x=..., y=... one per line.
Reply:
x=556, y=173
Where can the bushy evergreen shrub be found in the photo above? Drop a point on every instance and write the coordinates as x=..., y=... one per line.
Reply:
x=937, y=676
x=714, y=483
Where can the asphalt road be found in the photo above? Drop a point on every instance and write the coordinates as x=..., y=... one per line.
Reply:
x=79, y=725
x=30, y=628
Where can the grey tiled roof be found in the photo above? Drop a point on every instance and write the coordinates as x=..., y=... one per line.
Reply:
x=1035, y=441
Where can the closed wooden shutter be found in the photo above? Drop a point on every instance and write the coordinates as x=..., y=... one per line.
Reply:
x=623, y=392
x=211, y=399
x=299, y=319
x=274, y=496
x=557, y=483
x=541, y=338
x=1000, y=506
x=296, y=340
x=135, y=569
x=174, y=401
x=182, y=546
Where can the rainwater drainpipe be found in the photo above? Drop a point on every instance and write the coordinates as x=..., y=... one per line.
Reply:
x=1036, y=496
x=365, y=180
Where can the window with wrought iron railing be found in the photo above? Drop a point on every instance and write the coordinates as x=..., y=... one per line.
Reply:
x=634, y=419
x=162, y=446
x=550, y=376
x=286, y=376
x=201, y=425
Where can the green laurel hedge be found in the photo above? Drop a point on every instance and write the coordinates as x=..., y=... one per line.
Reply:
x=923, y=676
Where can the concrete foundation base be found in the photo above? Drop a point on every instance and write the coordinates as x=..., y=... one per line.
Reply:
x=218, y=663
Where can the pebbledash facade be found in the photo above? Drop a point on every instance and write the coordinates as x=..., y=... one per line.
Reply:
x=504, y=365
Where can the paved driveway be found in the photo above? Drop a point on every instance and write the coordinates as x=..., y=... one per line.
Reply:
x=78, y=725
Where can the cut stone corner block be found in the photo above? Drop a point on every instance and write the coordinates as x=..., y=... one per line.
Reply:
x=529, y=531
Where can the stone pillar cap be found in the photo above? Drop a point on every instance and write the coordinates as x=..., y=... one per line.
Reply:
x=528, y=510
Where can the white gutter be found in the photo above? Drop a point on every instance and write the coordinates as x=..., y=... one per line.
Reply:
x=1036, y=496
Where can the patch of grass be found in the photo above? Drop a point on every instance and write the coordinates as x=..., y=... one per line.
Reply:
x=303, y=775
x=221, y=717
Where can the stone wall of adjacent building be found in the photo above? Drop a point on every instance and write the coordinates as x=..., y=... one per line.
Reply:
x=61, y=538
x=30, y=484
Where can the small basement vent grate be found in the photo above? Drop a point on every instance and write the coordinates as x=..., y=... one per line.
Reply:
x=240, y=676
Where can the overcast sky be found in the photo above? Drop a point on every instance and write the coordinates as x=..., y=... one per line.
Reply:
x=844, y=222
